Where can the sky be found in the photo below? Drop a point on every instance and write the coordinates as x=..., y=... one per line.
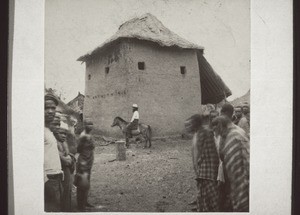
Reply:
x=75, y=27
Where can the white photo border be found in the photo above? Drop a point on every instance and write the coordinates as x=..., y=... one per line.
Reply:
x=271, y=106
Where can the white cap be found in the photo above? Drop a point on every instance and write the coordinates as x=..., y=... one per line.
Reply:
x=135, y=105
x=64, y=126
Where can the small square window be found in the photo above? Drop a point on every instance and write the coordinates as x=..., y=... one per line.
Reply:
x=182, y=70
x=141, y=65
x=106, y=70
x=89, y=77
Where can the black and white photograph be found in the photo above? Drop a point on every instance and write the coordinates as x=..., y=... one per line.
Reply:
x=144, y=106
x=147, y=106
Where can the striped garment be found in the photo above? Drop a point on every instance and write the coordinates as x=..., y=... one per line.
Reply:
x=234, y=152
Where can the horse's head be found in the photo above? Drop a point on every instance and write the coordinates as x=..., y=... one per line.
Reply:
x=118, y=121
x=115, y=122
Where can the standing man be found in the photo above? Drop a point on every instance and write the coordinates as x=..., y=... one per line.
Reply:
x=84, y=165
x=244, y=123
x=234, y=153
x=53, y=174
x=238, y=113
x=227, y=110
x=55, y=124
x=212, y=114
x=134, y=123
x=206, y=164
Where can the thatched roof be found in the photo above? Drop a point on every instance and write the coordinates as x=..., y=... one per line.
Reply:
x=149, y=28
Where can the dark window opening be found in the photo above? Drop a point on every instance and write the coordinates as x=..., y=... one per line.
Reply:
x=89, y=77
x=141, y=65
x=106, y=70
x=182, y=70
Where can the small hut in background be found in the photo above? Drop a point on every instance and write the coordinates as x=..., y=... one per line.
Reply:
x=77, y=104
x=147, y=64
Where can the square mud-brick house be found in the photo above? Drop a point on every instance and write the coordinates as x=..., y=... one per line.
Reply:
x=147, y=64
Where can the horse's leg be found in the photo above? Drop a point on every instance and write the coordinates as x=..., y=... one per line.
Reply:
x=126, y=141
x=149, y=138
x=145, y=139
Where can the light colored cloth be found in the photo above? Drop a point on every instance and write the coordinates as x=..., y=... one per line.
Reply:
x=220, y=169
x=135, y=116
x=52, y=163
x=245, y=125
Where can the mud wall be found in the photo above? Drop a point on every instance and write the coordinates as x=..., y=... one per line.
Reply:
x=166, y=97
x=105, y=89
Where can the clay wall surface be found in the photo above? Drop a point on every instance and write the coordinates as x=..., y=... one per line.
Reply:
x=165, y=96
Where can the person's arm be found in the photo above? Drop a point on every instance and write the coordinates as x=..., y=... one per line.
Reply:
x=198, y=147
x=195, y=154
x=65, y=158
x=65, y=148
x=81, y=142
x=134, y=116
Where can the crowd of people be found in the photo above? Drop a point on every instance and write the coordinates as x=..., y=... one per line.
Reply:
x=65, y=154
x=220, y=154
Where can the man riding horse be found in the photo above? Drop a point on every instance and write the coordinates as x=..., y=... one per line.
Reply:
x=134, y=122
x=134, y=128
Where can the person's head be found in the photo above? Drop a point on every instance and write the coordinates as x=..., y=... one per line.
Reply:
x=62, y=132
x=50, y=106
x=246, y=108
x=220, y=125
x=227, y=110
x=248, y=116
x=55, y=123
x=193, y=123
x=88, y=125
x=238, y=111
x=134, y=107
x=73, y=121
x=213, y=114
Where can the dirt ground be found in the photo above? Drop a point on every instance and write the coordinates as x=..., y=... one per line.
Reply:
x=159, y=179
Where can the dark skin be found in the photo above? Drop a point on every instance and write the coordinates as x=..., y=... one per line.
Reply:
x=50, y=108
x=62, y=135
x=88, y=128
x=212, y=115
x=246, y=110
x=238, y=112
x=134, y=109
x=54, y=128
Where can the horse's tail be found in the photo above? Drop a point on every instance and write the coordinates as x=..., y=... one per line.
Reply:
x=149, y=135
